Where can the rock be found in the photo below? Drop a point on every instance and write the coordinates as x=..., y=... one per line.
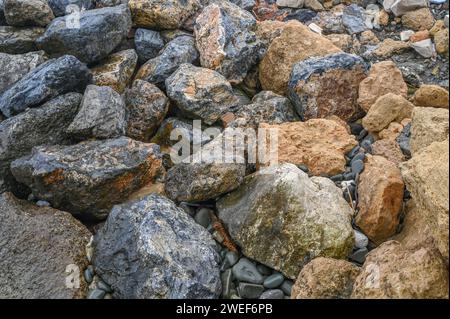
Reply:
x=178, y=51
x=393, y=130
x=19, y=40
x=324, y=86
x=148, y=44
x=147, y=107
x=2, y=13
x=431, y=96
x=225, y=37
x=386, y=109
x=325, y=278
x=428, y=125
x=245, y=4
x=441, y=41
x=314, y=5
x=154, y=239
x=246, y=271
x=368, y=37
x=419, y=36
x=96, y=294
x=389, y=149
x=116, y=70
x=204, y=217
x=380, y=193
x=22, y=13
x=330, y=22
x=64, y=7
x=425, y=48
x=361, y=240
x=274, y=226
x=250, y=291
x=43, y=250
x=286, y=287
x=200, y=93
x=272, y=294
x=296, y=43
x=48, y=80
x=403, y=140
x=290, y=3
x=421, y=19
x=45, y=125
x=354, y=18
x=389, y=47
x=320, y=144
x=393, y=272
x=14, y=67
x=406, y=35
x=87, y=179
x=426, y=177
x=359, y=256
x=98, y=33
x=273, y=281
x=342, y=41
x=162, y=137
x=101, y=115
x=400, y=7
x=384, y=77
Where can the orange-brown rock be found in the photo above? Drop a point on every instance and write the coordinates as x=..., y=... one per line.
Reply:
x=441, y=41
x=368, y=37
x=389, y=47
x=389, y=149
x=431, y=96
x=384, y=77
x=419, y=36
x=319, y=144
x=380, y=192
x=392, y=131
x=421, y=19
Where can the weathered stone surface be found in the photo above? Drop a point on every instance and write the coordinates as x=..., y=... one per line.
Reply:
x=384, y=77
x=38, y=245
x=116, y=70
x=325, y=278
x=386, y=109
x=400, y=7
x=101, y=115
x=431, y=96
x=426, y=177
x=63, y=7
x=389, y=47
x=14, y=67
x=99, y=32
x=342, y=41
x=178, y=51
x=354, y=18
x=87, y=179
x=283, y=219
x=225, y=37
x=19, y=40
x=2, y=13
x=320, y=144
x=148, y=44
x=380, y=193
x=324, y=86
x=389, y=149
x=421, y=19
x=428, y=125
x=394, y=272
x=200, y=93
x=296, y=43
x=147, y=107
x=329, y=21
x=45, y=125
x=48, y=80
x=153, y=249
x=22, y=13
x=441, y=42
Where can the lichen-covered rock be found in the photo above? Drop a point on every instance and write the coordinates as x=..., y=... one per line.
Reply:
x=148, y=44
x=116, y=70
x=324, y=86
x=389, y=149
x=48, y=80
x=147, y=107
x=19, y=40
x=380, y=194
x=431, y=96
x=295, y=43
x=14, y=67
x=178, y=51
x=45, y=125
x=43, y=249
x=90, y=38
x=394, y=272
x=421, y=19
x=386, y=109
x=201, y=93
x=384, y=77
x=319, y=144
x=22, y=13
x=88, y=178
x=225, y=37
x=283, y=219
x=64, y=7
x=101, y=115
x=151, y=249
x=325, y=278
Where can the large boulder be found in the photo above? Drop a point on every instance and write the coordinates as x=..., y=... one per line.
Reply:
x=22, y=13
x=15, y=40
x=87, y=179
x=50, y=79
x=99, y=32
x=43, y=253
x=325, y=86
x=283, y=219
x=151, y=249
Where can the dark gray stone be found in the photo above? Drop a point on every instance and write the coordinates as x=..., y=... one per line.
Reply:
x=232, y=258
x=367, y=142
x=244, y=4
x=286, y=286
x=227, y=283
x=302, y=15
x=96, y=294
x=204, y=217
x=64, y=7
x=88, y=275
x=273, y=281
x=15, y=40
x=356, y=128
x=28, y=13
x=357, y=166
x=403, y=140
x=2, y=13
x=104, y=286
x=353, y=18
x=359, y=256
x=264, y=270
x=250, y=291
x=148, y=44
x=272, y=294
x=246, y=271
x=152, y=249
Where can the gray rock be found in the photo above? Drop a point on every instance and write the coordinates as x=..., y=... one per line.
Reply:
x=88, y=275
x=359, y=256
x=64, y=7
x=99, y=32
x=286, y=286
x=178, y=51
x=204, y=217
x=357, y=166
x=42, y=203
x=264, y=270
x=96, y=294
x=273, y=281
x=272, y=294
x=227, y=283
x=88, y=178
x=250, y=291
x=302, y=15
x=15, y=40
x=153, y=249
x=42, y=250
x=361, y=240
x=101, y=115
x=403, y=140
x=14, y=67
x=45, y=125
x=400, y=7
x=330, y=22
x=148, y=44
x=354, y=18
x=232, y=258
x=104, y=286
x=2, y=13
x=244, y=4
x=246, y=271
x=23, y=13
x=48, y=80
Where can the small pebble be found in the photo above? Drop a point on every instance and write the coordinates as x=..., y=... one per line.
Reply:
x=103, y=286
x=96, y=294
x=264, y=270
x=273, y=281
x=188, y=209
x=337, y=178
x=250, y=291
x=361, y=240
x=108, y=296
x=227, y=281
x=304, y=168
x=88, y=275
x=232, y=258
x=272, y=294
x=359, y=256
x=349, y=176
x=246, y=271
x=203, y=217
x=286, y=286
x=357, y=167
x=356, y=128
x=362, y=135
x=354, y=151
x=42, y=203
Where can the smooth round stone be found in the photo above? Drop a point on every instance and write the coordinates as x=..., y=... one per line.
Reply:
x=42, y=203
x=96, y=294
x=250, y=291
x=367, y=143
x=337, y=178
x=264, y=270
x=359, y=256
x=88, y=276
x=357, y=167
x=361, y=240
x=203, y=217
x=272, y=294
x=356, y=128
x=286, y=286
x=349, y=176
x=359, y=156
x=354, y=151
x=227, y=282
x=246, y=271
x=188, y=209
x=103, y=286
x=304, y=168
x=362, y=135
x=273, y=281
x=232, y=258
